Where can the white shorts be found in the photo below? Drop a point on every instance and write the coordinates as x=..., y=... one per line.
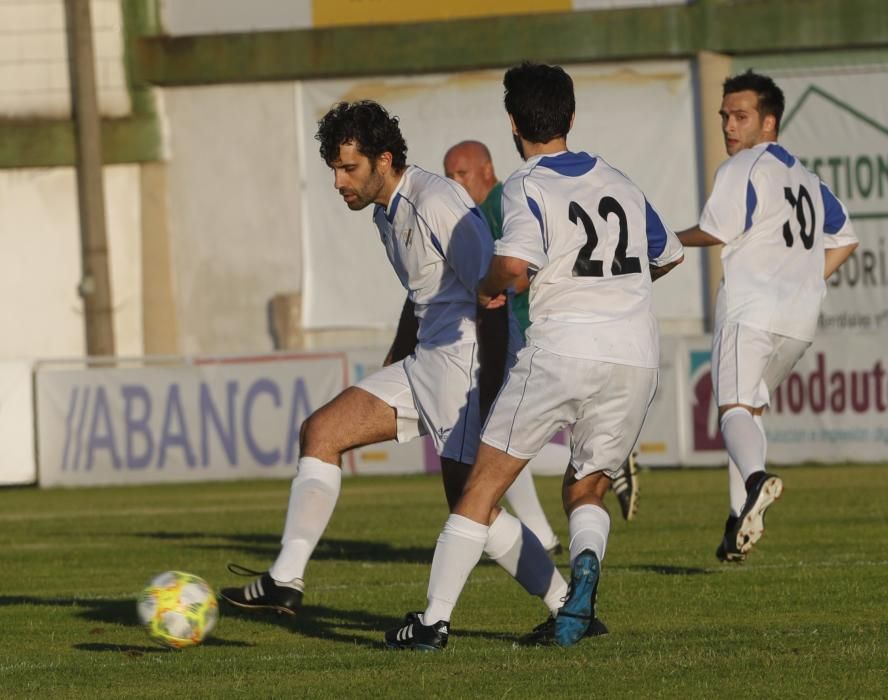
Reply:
x=605, y=404
x=748, y=363
x=434, y=392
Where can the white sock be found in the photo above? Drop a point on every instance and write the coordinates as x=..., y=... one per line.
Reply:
x=760, y=424
x=513, y=546
x=524, y=502
x=744, y=441
x=459, y=548
x=313, y=497
x=736, y=488
x=589, y=528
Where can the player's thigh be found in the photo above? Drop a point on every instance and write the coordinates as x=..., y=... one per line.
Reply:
x=391, y=386
x=787, y=352
x=611, y=418
x=541, y=396
x=748, y=364
x=739, y=356
x=352, y=419
x=444, y=385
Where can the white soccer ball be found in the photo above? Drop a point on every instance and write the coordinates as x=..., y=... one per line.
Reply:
x=178, y=609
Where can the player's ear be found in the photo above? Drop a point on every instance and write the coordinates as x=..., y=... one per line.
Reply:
x=769, y=124
x=514, y=126
x=384, y=161
x=572, y=117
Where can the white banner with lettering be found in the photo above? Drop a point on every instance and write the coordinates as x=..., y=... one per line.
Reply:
x=210, y=420
x=836, y=122
x=833, y=407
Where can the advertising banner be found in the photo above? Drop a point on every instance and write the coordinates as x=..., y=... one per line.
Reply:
x=836, y=122
x=212, y=420
x=833, y=407
x=17, y=464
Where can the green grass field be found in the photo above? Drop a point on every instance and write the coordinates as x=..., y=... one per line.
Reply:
x=806, y=615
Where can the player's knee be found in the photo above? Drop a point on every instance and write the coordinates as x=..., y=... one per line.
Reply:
x=315, y=434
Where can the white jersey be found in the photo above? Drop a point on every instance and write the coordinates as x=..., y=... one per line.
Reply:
x=589, y=234
x=775, y=218
x=440, y=247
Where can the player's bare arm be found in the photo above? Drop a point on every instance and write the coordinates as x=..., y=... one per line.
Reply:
x=504, y=273
x=835, y=257
x=695, y=237
x=658, y=272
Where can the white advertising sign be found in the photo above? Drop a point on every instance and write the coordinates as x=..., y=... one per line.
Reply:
x=833, y=407
x=17, y=464
x=214, y=420
x=836, y=122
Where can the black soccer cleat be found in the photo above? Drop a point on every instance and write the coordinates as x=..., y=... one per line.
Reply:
x=762, y=490
x=263, y=594
x=625, y=488
x=555, y=549
x=727, y=550
x=413, y=634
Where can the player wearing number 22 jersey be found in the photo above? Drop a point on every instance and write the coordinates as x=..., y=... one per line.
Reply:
x=588, y=233
x=592, y=243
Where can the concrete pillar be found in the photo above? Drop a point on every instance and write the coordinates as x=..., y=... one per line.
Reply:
x=712, y=69
x=160, y=327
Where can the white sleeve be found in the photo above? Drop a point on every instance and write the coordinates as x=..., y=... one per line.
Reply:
x=837, y=223
x=728, y=210
x=663, y=245
x=523, y=228
x=462, y=238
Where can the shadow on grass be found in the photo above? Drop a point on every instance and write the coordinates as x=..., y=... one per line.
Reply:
x=118, y=611
x=139, y=650
x=355, y=627
x=666, y=570
x=267, y=546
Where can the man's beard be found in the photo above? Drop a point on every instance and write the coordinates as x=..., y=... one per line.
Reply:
x=367, y=194
x=517, y=139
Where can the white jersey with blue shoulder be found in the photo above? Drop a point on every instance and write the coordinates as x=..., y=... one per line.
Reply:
x=589, y=235
x=776, y=219
x=440, y=247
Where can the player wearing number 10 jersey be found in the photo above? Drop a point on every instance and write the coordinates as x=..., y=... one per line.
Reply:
x=784, y=233
x=593, y=244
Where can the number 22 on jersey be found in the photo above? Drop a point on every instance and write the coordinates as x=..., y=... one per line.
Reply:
x=586, y=265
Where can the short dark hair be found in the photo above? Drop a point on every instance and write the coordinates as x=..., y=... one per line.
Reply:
x=540, y=99
x=770, y=97
x=368, y=125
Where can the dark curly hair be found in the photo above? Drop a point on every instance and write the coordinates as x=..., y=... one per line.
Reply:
x=540, y=99
x=369, y=125
x=770, y=97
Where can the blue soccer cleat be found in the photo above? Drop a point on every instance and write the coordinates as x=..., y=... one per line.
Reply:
x=576, y=615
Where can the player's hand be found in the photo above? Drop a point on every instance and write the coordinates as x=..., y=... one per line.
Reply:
x=487, y=302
